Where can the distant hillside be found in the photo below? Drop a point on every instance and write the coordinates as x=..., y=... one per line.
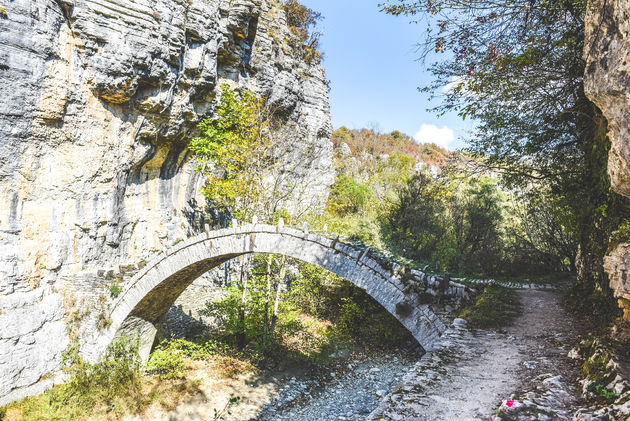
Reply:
x=368, y=141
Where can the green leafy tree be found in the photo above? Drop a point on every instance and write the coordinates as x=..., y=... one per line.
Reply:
x=517, y=69
x=348, y=196
x=246, y=152
x=416, y=220
x=232, y=151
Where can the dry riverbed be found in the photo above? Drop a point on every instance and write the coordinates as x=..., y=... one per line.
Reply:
x=466, y=378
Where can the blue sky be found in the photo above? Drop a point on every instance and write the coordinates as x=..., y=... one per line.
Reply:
x=370, y=59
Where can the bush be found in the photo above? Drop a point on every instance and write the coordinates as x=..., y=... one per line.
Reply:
x=495, y=307
x=169, y=360
x=600, y=390
x=115, y=289
x=348, y=195
x=363, y=320
x=300, y=18
x=116, y=376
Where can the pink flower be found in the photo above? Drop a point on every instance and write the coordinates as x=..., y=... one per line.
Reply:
x=512, y=403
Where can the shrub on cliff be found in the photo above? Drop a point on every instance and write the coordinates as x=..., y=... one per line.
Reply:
x=301, y=21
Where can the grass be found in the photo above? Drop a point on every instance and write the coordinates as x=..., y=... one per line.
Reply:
x=108, y=390
x=495, y=307
x=119, y=386
x=49, y=406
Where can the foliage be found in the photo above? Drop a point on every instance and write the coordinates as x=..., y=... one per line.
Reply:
x=113, y=386
x=369, y=141
x=600, y=390
x=252, y=323
x=494, y=307
x=301, y=20
x=110, y=389
x=225, y=411
x=115, y=289
x=365, y=189
x=169, y=359
x=595, y=305
x=457, y=220
x=300, y=17
x=234, y=143
x=117, y=373
x=597, y=368
x=363, y=320
x=540, y=234
x=317, y=309
x=242, y=153
x=348, y=195
x=517, y=69
x=416, y=219
x=620, y=235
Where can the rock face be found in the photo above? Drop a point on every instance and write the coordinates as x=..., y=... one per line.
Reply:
x=99, y=100
x=607, y=83
x=617, y=265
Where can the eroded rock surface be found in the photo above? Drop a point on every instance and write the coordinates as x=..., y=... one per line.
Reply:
x=617, y=265
x=607, y=79
x=607, y=83
x=99, y=100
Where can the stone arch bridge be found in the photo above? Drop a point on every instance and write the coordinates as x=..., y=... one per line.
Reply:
x=148, y=295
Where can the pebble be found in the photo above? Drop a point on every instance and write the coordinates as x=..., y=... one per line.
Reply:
x=350, y=396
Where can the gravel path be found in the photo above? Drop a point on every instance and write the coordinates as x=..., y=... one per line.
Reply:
x=471, y=373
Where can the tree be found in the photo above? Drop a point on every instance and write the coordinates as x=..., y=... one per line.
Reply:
x=416, y=218
x=243, y=153
x=232, y=151
x=516, y=67
x=301, y=21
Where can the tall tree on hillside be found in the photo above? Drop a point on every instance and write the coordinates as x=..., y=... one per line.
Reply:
x=516, y=68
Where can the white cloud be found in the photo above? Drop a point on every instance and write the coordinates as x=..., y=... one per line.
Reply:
x=429, y=133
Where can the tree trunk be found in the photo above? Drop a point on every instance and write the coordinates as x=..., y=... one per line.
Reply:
x=241, y=314
x=267, y=295
x=274, y=318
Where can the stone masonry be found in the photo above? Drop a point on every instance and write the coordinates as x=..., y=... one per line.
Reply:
x=149, y=294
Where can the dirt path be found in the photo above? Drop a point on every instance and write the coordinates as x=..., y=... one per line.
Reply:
x=471, y=373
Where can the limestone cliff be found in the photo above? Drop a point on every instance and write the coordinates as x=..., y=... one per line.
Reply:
x=98, y=100
x=607, y=83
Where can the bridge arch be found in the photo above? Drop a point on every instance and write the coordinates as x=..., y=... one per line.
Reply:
x=147, y=296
